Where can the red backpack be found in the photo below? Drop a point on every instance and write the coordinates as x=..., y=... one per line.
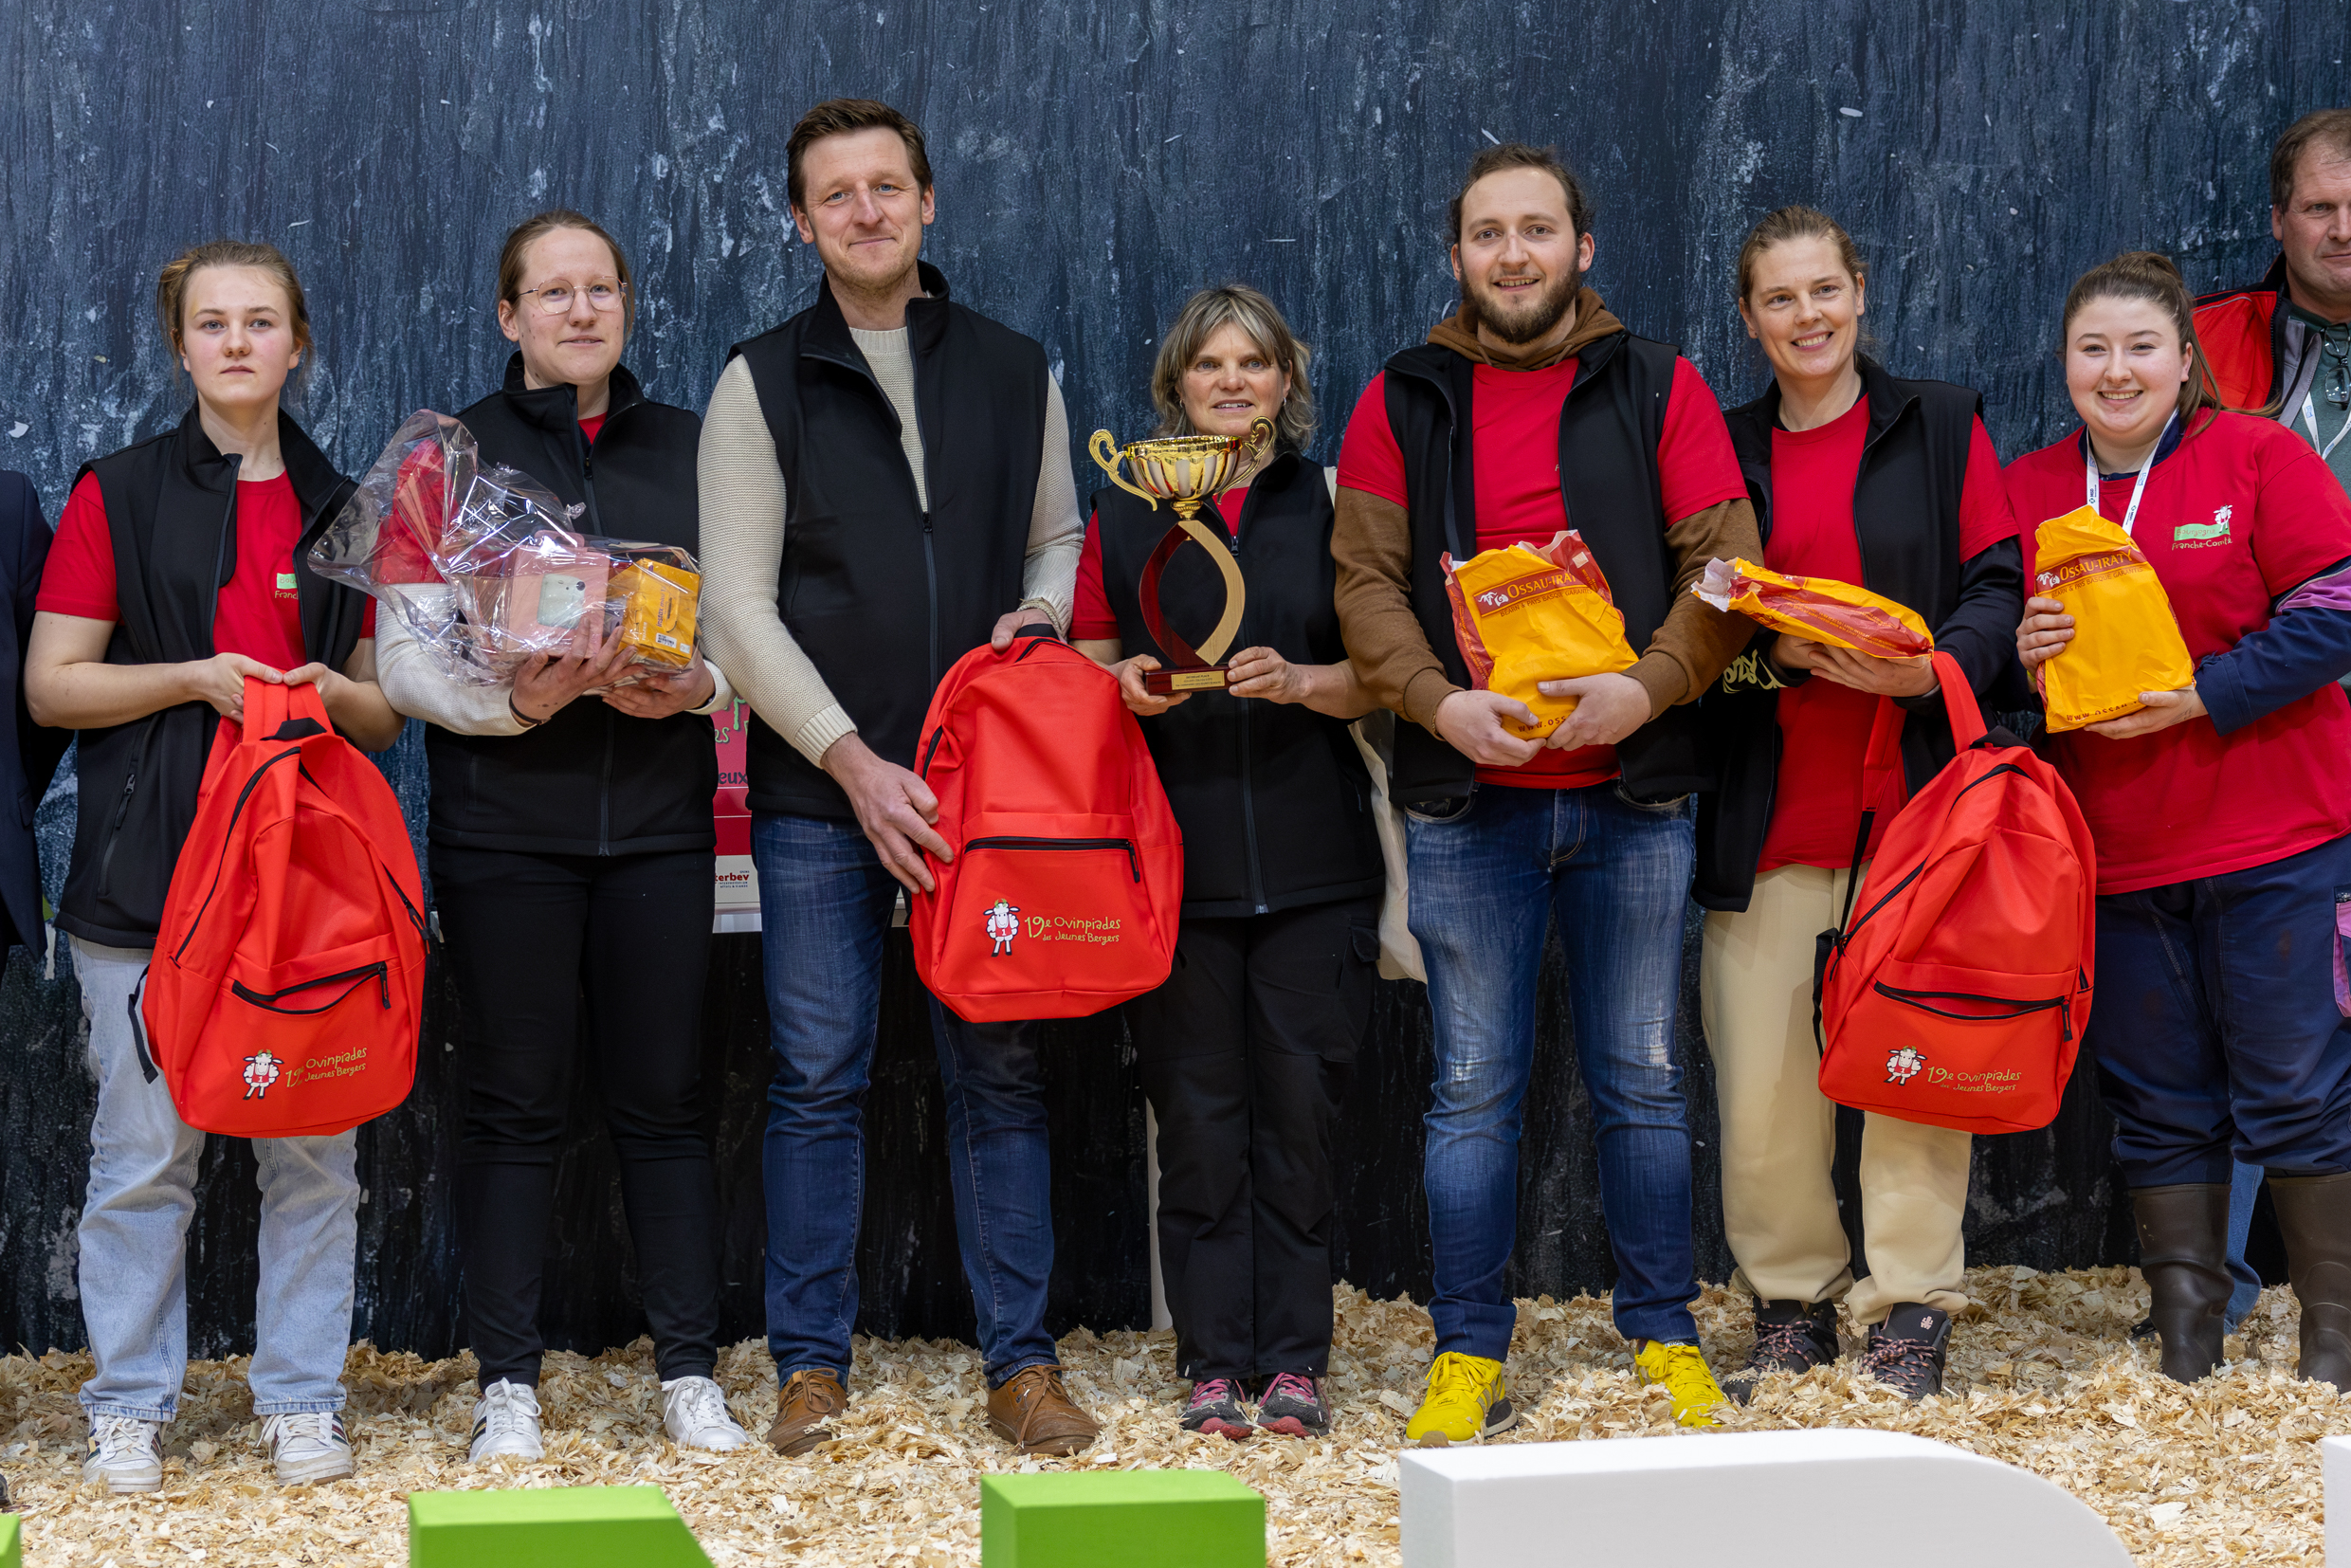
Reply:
x=1957, y=995
x=1068, y=872
x=288, y=981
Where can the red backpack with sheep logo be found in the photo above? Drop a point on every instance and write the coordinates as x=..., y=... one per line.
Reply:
x=1068, y=872
x=1955, y=991
x=287, y=985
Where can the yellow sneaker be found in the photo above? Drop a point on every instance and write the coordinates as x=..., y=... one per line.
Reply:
x=1465, y=1402
x=1682, y=1370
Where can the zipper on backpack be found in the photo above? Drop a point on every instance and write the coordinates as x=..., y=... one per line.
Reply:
x=378, y=972
x=2016, y=1008
x=228, y=838
x=1134, y=863
x=932, y=750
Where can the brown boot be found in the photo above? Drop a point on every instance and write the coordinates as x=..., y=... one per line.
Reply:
x=2314, y=1216
x=1034, y=1412
x=809, y=1400
x=2183, y=1251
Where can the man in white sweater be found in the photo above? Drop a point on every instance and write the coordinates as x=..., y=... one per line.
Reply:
x=885, y=486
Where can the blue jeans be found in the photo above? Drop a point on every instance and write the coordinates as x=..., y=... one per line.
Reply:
x=2244, y=1190
x=2215, y=1031
x=134, y=1266
x=824, y=905
x=1485, y=883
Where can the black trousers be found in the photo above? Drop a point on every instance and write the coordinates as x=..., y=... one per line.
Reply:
x=1245, y=1053
x=530, y=937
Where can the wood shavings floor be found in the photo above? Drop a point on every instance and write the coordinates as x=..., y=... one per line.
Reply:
x=2041, y=1376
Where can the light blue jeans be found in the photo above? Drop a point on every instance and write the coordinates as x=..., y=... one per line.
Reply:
x=133, y=1271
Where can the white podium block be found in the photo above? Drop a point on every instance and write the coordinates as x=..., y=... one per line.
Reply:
x=2335, y=1456
x=1760, y=1500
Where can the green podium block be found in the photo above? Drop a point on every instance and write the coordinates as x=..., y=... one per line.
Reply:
x=553, y=1527
x=12, y=1544
x=1137, y=1518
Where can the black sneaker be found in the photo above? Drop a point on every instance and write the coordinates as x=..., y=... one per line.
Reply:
x=1216, y=1409
x=1906, y=1351
x=1293, y=1406
x=1791, y=1337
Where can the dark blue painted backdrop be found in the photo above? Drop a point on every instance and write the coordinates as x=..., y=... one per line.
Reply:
x=1094, y=163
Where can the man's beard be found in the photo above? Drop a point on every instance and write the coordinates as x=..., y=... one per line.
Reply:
x=1521, y=324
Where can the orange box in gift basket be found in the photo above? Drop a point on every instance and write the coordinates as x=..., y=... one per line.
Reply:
x=1820, y=610
x=2125, y=640
x=1525, y=613
x=657, y=610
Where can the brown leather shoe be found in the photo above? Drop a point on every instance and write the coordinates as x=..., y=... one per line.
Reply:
x=1034, y=1412
x=809, y=1400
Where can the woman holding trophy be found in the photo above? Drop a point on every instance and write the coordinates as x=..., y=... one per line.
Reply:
x=571, y=854
x=1248, y=1049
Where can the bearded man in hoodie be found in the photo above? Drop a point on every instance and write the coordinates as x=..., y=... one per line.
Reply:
x=1530, y=411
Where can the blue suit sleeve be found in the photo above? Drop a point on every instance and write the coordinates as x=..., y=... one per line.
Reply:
x=2306, y=646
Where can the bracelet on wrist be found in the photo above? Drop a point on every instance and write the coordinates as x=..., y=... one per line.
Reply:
x=525, y=719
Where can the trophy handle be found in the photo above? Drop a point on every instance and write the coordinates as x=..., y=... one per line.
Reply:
x=1261, y=433
x=1104, y=449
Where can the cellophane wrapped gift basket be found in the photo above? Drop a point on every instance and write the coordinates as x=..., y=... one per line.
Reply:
x=481, y=564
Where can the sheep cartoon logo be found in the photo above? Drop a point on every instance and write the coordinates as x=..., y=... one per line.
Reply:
x=261, y=1071
x=1003, y=925
x=1902, y=1066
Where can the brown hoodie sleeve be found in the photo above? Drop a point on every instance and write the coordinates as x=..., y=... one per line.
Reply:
x=1372, y=542
x=1697, y=642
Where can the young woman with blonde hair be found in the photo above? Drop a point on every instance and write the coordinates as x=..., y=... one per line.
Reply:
x=179, y=570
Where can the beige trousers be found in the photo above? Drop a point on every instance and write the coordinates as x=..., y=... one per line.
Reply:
x=1755, y=982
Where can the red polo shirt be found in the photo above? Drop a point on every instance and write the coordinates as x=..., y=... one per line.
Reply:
x=2239, y=514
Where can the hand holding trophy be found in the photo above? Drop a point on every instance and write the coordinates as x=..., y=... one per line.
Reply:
x=1186, y=470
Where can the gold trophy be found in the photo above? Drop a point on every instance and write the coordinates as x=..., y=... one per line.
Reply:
x=1186, y=470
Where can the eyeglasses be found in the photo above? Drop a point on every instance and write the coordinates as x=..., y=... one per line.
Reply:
x=556, y=298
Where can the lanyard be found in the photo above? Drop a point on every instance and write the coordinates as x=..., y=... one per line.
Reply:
x=2310, y=417
x=2130, y=518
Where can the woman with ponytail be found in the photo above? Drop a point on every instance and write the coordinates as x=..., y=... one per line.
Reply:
x=2220, y=811
x=180, y=571
x=1891, y=484
x=571, y=854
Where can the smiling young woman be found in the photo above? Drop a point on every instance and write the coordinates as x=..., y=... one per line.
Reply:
x=1892, y=484
x=570, y=851
x=141, y=645
x=2220, y=814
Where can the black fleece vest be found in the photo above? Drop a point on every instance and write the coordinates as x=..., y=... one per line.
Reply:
x=1272, y=798
x=172, y=514
x=591, y=780
x=1907, y=498
x=882, y=596
x=1610, y=426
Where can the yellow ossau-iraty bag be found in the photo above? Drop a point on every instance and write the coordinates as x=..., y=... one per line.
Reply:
x=1525, y=613
x=2126, y=639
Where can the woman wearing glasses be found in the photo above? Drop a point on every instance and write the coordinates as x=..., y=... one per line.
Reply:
x=571, y=855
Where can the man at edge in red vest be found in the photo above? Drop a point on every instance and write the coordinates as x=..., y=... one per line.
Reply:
x=2283, y=347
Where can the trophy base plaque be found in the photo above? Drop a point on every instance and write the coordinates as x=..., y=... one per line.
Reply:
x=1168, y=683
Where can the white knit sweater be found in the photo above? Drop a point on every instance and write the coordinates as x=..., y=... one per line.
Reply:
x=742, y=542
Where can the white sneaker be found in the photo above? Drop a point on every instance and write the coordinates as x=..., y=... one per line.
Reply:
x=308, y=1446
x=126, y=1453
x=694, y=1414
x=505, y=1424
